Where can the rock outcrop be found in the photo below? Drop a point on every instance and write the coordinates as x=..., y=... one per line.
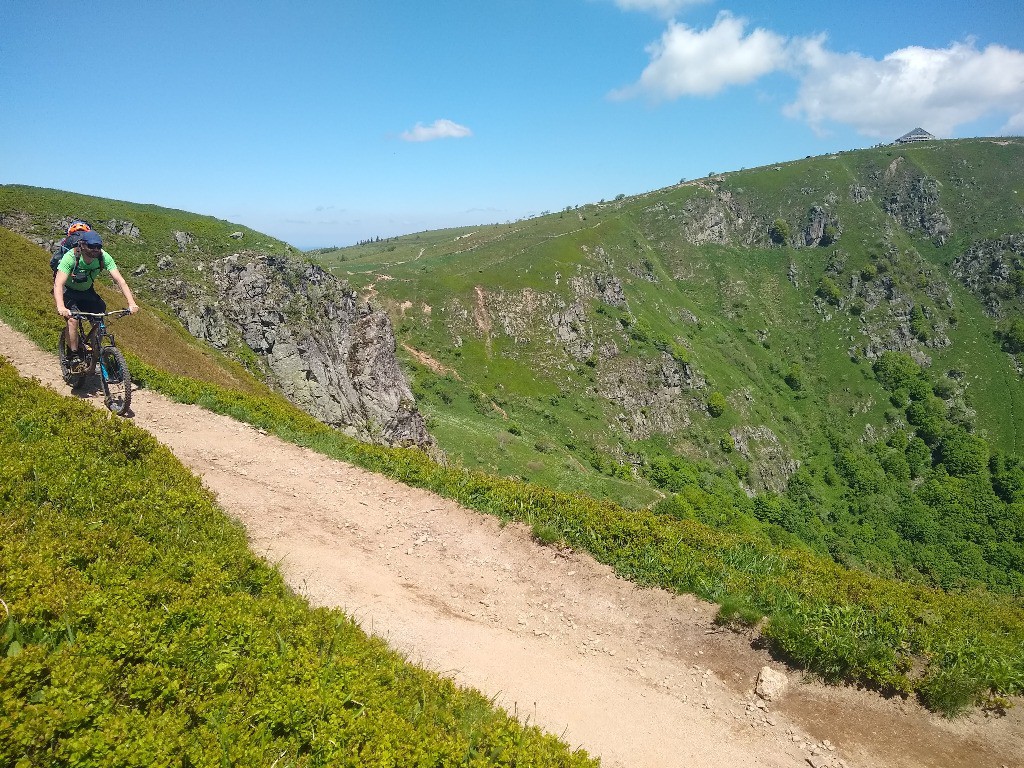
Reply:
x=993, y=270
x=649, y=394
x=124, y=228
x=184, y=240
x=331, y=356
x=572, y=331
x=914, y=202
x=714, y=215
x=770, y=465
x=822, y=227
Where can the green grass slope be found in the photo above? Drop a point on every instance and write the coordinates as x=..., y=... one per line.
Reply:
x=782, y=339
x=139, y=630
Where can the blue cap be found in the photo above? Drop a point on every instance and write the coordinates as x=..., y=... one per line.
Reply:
x=91, y=238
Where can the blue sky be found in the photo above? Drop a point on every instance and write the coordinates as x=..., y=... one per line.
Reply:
x=325, y=123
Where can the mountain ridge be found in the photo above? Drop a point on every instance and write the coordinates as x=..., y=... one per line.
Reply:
x=732, y=322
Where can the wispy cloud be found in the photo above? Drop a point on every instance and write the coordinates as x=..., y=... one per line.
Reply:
x=691, y=62
x=439, y=129
x=936, y=88
x=665, y=8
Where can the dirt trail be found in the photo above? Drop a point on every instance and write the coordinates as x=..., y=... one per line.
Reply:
x=638, y=677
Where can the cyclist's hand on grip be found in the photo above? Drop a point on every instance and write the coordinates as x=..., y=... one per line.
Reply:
x=133, y=307
x=64, y=312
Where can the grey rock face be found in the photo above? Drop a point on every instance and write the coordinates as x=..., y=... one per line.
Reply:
x=712, y=219
x=17, y=222
x=572, y=331
x=793, y=274
x=650, y=395
x=914, y=202
x=332, y=357
x=859, y=193
x=184, y=240
x=822, y=227
x=992, y=270
x=770, y=465
x=609, y=289
x=713, y=216
x=124, y=228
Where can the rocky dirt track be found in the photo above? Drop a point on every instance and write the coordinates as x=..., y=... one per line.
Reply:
x=638, y=677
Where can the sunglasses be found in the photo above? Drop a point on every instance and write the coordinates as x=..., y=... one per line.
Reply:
x=92, y=247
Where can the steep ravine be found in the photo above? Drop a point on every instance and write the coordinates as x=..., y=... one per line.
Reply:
x=637, y=677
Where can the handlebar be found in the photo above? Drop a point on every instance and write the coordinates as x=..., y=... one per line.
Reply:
x=97, y=315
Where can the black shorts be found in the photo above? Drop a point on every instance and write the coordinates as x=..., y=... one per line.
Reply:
x=84, y=301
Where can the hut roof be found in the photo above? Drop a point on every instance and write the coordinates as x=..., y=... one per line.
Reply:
x=918, y=134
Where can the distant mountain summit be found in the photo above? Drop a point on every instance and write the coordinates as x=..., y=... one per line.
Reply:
x=918, y=134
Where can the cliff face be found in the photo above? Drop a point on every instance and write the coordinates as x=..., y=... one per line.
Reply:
x=330, y=355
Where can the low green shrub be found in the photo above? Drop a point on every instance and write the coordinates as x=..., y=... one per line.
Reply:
x=842, y=624
x=141, y=631
x=716, y=404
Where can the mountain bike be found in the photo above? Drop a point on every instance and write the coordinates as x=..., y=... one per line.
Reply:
x=97, y=348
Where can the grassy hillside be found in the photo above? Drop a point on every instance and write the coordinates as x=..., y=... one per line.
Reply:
x=140, y=630
x=739, y=292
x=725, y=333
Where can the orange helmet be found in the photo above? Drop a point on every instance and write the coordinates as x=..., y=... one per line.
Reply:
x=78, y=226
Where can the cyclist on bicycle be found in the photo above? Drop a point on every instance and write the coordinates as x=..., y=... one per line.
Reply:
x=73, y=286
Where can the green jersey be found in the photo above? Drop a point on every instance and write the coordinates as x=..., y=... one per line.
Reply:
x=81, y=273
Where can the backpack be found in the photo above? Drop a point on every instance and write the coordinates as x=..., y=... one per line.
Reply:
x=63, y=247
x=79, y=226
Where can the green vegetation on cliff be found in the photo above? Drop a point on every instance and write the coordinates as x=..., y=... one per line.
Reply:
x=726, y=332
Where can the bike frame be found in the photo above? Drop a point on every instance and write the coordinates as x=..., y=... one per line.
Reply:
x=98, y=335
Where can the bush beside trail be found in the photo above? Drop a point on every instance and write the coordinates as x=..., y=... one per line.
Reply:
x=952, y=650
x=140, y=630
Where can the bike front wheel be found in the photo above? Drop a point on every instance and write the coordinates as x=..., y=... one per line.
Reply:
x=117, y=382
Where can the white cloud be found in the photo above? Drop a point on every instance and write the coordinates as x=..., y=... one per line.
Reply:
x=690, y=62
x=935, y=88
x=666, y=8
x=439, y=129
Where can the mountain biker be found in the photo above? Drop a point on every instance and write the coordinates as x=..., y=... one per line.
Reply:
x=73, y=286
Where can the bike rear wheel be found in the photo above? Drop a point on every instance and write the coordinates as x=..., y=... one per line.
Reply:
x=72, y=378
x=117, y=382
